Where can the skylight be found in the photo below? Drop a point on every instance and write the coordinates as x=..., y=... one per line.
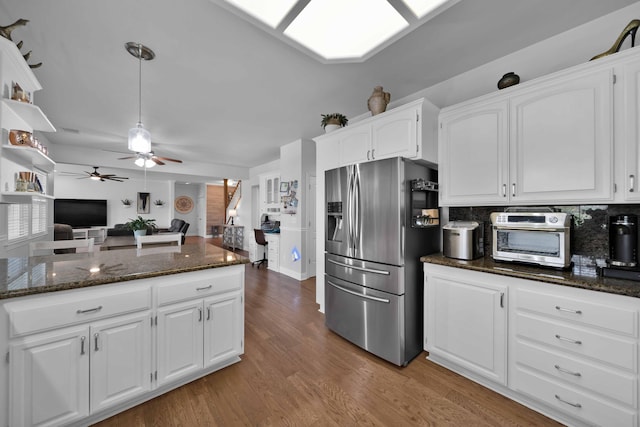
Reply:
x=338, y=30
x=270, y=12
x=335, y=29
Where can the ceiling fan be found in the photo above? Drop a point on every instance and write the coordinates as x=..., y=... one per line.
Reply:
x=149, y=159
x=97, y=176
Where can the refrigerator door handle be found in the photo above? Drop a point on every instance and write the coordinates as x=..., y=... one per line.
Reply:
x=366, y=270
x=386, y=301
x=349, y=224
x=356, y=205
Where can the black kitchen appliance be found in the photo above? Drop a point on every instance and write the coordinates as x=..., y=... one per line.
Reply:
x=623, y=240
x=623, y=248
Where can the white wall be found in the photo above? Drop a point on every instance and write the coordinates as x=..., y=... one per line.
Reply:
x=297, y=159
x=193, y=217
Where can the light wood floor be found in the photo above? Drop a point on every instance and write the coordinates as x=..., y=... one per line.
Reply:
x=297, y=373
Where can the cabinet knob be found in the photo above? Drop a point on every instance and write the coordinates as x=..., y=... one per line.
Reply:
x=632, y=183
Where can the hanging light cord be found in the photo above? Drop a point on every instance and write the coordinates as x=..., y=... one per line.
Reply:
x=139, y=84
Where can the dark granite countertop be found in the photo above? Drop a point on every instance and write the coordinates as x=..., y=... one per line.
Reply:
x=40, y=274
x=583, y=274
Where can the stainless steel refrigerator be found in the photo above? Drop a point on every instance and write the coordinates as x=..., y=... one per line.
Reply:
x=373, y=243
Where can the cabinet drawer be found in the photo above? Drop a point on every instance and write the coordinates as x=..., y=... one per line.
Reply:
x=573, y=402
x=56, y=311
x=614, y=318
x=201, y=284
x=615, y=351
x=576, y=371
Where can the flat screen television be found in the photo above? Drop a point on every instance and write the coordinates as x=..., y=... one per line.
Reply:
x=80, y=213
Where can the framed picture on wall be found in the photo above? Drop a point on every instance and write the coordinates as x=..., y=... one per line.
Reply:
x=144, y=203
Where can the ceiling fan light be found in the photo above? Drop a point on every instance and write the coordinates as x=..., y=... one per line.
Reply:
x=95, y=178
x=149, y=163
x=139, y=139
x=139, y=162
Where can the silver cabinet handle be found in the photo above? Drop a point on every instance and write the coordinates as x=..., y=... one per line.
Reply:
x=200, y=318
x=373, y=154
x=575, y=405
x=572, y=341
x=501, y=299
x=632, y=183
x=513, y=189
x=568, y=310
x=89, y=310
x=566, y=371
x=349, y=291
x=95, y=341
x=204, y=288
x=504, y=190
x=368, y=151
x=82, y=338
x=208, y=313
x=366, y=270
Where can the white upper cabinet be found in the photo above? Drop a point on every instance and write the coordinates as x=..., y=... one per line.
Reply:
x=630, y=128
x=408, y=131
x=474, y=148
x=549, y=141
x=561, y=140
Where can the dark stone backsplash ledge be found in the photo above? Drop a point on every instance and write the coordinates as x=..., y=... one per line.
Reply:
x=589, y=236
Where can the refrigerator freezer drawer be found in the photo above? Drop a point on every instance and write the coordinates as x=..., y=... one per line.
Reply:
x=382, y=277
x=370, y=319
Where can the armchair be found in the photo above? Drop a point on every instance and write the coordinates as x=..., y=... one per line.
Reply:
x=177, y=226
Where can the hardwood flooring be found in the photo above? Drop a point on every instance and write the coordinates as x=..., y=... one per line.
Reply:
x=295, y=372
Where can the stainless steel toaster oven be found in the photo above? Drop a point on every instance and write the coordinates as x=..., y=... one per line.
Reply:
x=541, y=238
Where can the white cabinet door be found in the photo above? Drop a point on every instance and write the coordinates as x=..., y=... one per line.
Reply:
x=466, y=323
x=120, y=360
x=223, y=328
x=561, y=140
x=273, y=251
x=631, y=130
x=179, y=340
x=50, y=378
x=395, y=135
x=473, y=154
x=355, y=145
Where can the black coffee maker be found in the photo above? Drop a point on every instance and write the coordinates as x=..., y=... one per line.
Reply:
x=623, y=240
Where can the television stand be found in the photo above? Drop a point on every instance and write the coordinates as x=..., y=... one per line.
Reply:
x=98, y=234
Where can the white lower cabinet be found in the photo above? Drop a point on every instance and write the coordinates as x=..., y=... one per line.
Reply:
x=198, y=334
x=50, y=379
x=76, y=357
x=273, y=251
x=465, y=322
x=571, y=353
x=65, y=375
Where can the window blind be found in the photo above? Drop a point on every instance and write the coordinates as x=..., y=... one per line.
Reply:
x=18, y=221
x=38, y=216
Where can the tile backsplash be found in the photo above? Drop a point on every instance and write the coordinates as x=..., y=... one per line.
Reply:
x=590, y=234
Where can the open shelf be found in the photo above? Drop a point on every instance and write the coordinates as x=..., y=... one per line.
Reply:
x=30, y=114
x=35, y=157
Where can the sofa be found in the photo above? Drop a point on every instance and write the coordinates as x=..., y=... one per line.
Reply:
x=63, y=232
x=122, y=230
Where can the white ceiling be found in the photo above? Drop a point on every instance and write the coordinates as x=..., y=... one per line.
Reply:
x=221, y=91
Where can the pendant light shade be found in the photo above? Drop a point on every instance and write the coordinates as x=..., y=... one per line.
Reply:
x=139, y=137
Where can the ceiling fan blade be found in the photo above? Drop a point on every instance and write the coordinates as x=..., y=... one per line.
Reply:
x=169, y=159
x=117, y=178
x=129, y=157
x=157, y=161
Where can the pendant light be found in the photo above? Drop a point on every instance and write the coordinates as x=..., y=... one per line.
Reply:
x=139, y=137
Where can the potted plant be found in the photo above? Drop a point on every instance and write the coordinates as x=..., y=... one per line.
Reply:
x=158, y=203
x=126, y=203
x=140, y=225
x=333, y=121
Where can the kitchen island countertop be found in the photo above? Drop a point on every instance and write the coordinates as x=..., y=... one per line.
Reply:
x=583, y=274
x=50, y=273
